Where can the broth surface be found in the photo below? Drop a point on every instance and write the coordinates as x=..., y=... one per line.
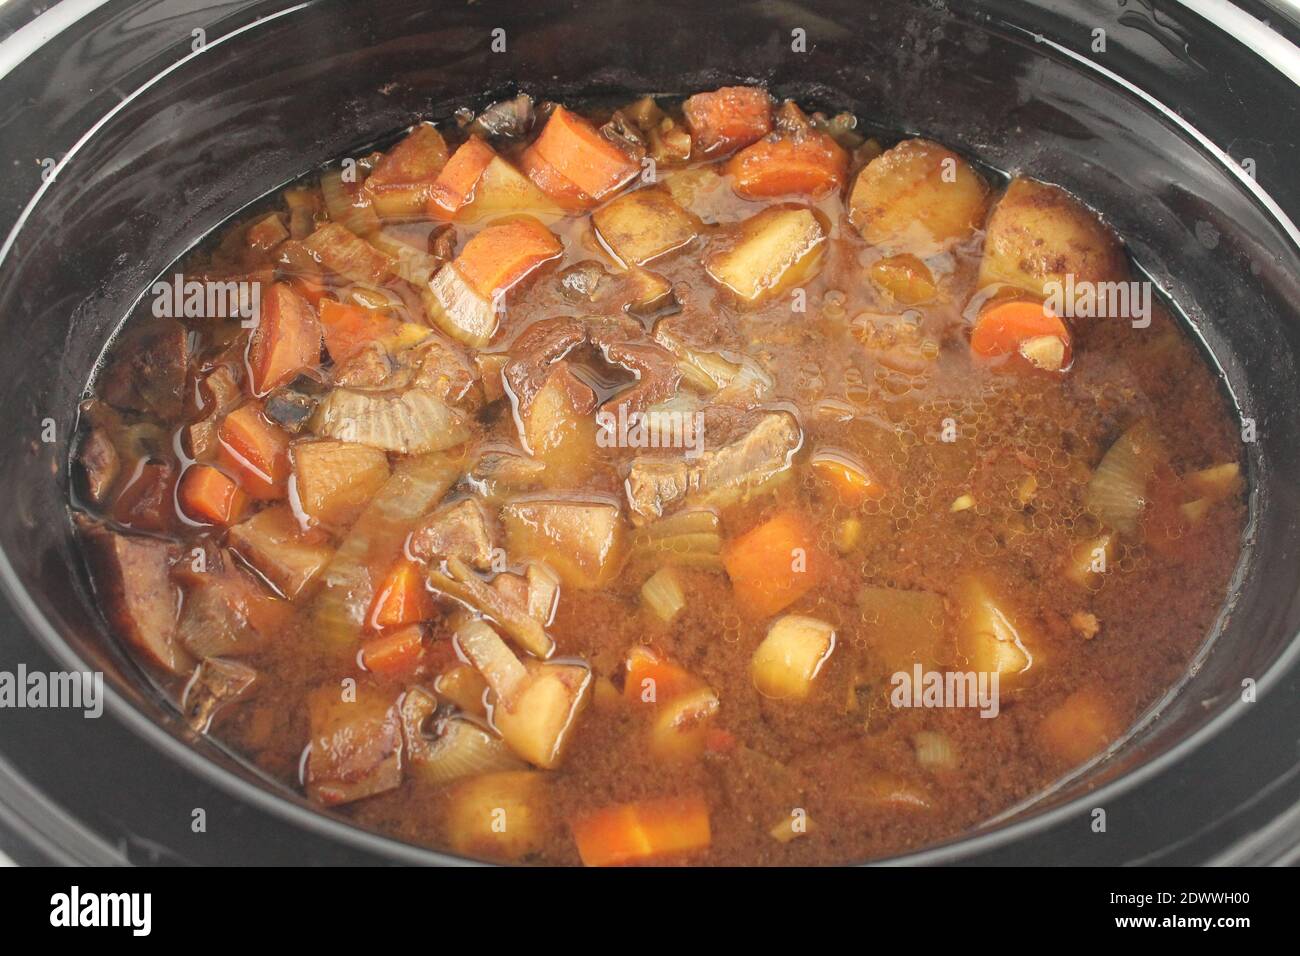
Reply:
x=873, y=477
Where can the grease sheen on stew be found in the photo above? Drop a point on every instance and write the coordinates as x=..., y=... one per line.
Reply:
x=588, y=486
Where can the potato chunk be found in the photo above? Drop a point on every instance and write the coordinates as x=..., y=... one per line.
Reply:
x=992, y=637
x=272, y=542
x=582, y=540
x=537, y=703
x=917, y=198
x=1039, y=234
x=503, y=190
x=643, y=225
x=559, y=428
x=791, y=656
x=1079, y=727
x=336, y=479
x=768, y=253
x=497, y=816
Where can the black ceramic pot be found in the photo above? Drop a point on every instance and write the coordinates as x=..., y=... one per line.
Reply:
x=1183, y=130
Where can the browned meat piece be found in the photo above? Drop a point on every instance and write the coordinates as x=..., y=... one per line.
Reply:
x=147, y=370
x=356, y=745
x=625, y=134
x=227, y=613
x=539, y=347
x=445, y=369
x=101, y=464
x=582, y=280
x=721, y=476
x=460, y=530
x=216, y=684
x=623, y=341
x=132, y=580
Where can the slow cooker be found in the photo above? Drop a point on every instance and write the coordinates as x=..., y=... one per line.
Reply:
x=131, y=128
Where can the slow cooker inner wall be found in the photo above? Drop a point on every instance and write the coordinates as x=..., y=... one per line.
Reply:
x=229, y=124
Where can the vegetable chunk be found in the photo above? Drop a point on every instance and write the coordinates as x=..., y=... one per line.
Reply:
x=643, y=832
x=774, y=564
x=771, y=251
x=335, y=479
x=728, y=118
x=917, y=197
x=791, y=656
x=583, y=541
x=1038, y=234
x=644, y=225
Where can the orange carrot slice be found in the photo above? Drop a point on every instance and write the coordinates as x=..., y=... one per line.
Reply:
x=809, y=163
x=255, y=451
x=402, y=598
x=454, y=186
x=774, y=565
x=502, y=254
x=210, y=496
x=548, y=179
x=1004, y=327
x=349, y=328
x=648, y=671
x=395, y=654
x=728, y=118
x=642, y=832
x=578, y=153
x=285, y=342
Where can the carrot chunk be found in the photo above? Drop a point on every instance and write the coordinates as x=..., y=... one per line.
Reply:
x=418, y=158
x=774, y=565
x=349, y=328
x=808, y=163
x=548, y=179
x=642, y=832
x=395, y=654
x=402, y=598
x=208, y=495
x=579, y=154
x=255, y=451
x=652, y=678
x=454, y=186
x=1020, y=326
x=728, y=119
x=286, y=340
x=502, y=254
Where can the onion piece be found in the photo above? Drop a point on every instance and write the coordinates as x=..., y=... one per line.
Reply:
x=1117, y=491
x=662, y=595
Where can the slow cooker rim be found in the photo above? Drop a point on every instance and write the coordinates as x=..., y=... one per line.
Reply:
x=284, y=803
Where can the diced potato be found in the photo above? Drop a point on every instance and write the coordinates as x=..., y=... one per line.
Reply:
x=643, y=225
x=681, y=725
x=356, y=745
x=503, y=190
x=498, y=816
x=272, y=542
x=1090, y=560
x=791, y=656
x=463, y=686
x=537, y=703
x=582, y=540
x=904, y=628
x=647, y=291
x=1082, y=725
x=458, y=310
x=1216, y=483
x=559, y=428
x=992, y=637
x=1040, y=233
x=917, y=198
x=336, y=479
x=770, y=252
